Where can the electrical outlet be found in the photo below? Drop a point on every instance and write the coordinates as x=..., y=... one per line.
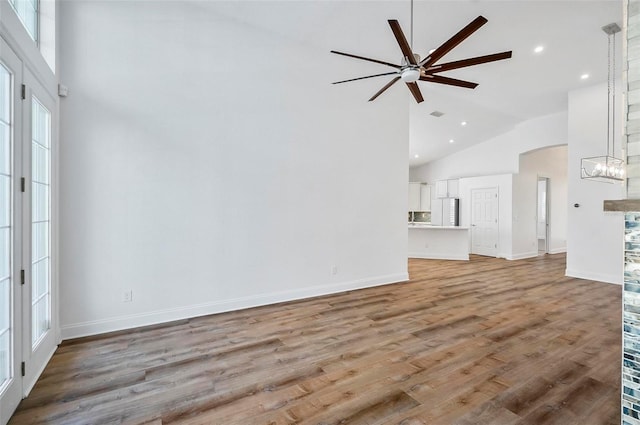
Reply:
x=127, y=296
x=334, y=270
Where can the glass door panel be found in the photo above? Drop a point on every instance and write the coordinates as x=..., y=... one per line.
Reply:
x=40, y=221
x=6, y=204
x=39, y=338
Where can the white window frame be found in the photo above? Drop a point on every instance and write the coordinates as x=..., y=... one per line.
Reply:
x=35, y=37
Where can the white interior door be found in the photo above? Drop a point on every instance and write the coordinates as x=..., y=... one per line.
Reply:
x=39, y=298
x=11, y=327
x=484, y=222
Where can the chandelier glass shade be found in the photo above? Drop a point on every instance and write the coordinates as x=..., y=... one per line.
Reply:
x=603, y=168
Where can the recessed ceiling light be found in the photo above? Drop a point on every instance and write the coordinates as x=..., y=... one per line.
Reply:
x=451, y=140
x=538, y=49
x=416, y=156
x=584, y=76
x=463, y=123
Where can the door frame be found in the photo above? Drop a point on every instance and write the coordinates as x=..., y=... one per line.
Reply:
x=13, y=392
x=36, y=359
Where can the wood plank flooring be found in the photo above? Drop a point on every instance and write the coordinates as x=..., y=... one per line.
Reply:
x=487, y=341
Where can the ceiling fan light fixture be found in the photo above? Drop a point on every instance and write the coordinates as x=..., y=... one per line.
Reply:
x=410, y=75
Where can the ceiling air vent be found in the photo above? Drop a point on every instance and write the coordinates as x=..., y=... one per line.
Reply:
x=437, y=114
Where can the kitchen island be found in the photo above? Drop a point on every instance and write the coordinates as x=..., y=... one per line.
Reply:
x=438, y=242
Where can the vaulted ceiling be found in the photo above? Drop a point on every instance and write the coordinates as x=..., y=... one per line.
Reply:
x=530, y=84
x=511, y=91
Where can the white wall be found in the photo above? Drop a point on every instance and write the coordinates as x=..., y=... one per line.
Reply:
x=500, y=155
x=551, y=163
x=594, y=238
x=209, y=165
x=496, y=163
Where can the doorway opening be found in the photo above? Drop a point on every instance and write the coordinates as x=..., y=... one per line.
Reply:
x=542, y=213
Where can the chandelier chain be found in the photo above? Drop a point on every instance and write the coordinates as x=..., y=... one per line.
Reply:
x=613, y=95
x=608, y=92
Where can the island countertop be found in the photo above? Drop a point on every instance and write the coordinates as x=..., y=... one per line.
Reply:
x=438, y=242
x=430, y=226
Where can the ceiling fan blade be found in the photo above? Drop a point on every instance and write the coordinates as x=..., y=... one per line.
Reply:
x=389, y=84
x=453, y=41
x=362, y=78
x=366, y=59
x=415, y=91
x=402, y=41
x=468, y=62
x=449, y=81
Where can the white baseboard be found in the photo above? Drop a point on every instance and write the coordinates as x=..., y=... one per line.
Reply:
x=558, y=250
x=523, y=255
x=77, y=330
x=461, y=257
x=599, y=277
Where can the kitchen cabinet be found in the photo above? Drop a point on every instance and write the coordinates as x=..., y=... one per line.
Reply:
x=441, y=189
x=414, y=196
x=447, y=189
x=419, y=196
x=425, y=197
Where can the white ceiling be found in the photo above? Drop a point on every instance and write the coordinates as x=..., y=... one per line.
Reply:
x=513, y=90
x=509, y=92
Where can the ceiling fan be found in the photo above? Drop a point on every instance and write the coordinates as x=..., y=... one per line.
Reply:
x=413, y=68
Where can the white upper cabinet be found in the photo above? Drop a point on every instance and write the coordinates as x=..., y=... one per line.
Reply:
x=447, y=189
x=425, y=197
x=452, y=187
x=419, y=196
x=441, y=189
x=414, y=196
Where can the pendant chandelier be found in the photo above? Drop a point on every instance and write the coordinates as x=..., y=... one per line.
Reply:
x=607, y=168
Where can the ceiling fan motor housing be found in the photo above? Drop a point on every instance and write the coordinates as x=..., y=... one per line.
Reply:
x=410, y=75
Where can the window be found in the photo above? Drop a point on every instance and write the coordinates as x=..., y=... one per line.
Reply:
x=27, y=11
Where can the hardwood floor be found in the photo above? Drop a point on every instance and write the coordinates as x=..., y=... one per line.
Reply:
x=487, y=341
